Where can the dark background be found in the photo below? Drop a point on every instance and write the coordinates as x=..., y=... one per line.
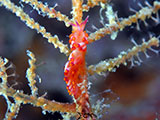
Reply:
x=134, y=90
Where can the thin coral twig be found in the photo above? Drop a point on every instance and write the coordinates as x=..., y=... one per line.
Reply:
x=14, y=109
x=34, y=25
x=145, y=12
x=19, y=97
x=45, y=104
x=48, y=11
x=109, y=65
x=30, y=73
x=3, y=69
x=92, y=3
x=77, y=10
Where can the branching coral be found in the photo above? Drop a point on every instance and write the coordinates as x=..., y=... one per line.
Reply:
x=113, y=27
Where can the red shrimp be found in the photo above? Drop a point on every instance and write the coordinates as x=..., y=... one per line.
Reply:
x=75, y=69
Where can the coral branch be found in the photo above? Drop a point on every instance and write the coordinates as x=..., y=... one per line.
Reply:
x=145, y=12
x=77, y=10
x=3, y=74
x=14, y=109
x=45, y=104
x=19, y=97
x=50, y=12
x=92, y=3
x=109, y=65
x=75, y=70
x=30, y=73
x=34, y=25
